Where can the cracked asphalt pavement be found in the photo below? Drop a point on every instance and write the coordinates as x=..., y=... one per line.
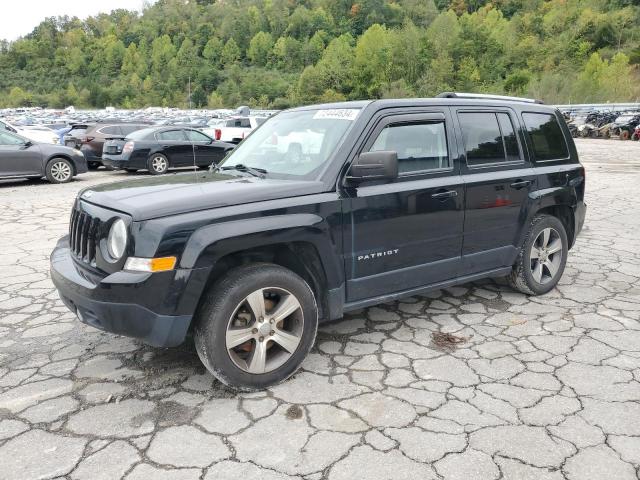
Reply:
x=542, y=388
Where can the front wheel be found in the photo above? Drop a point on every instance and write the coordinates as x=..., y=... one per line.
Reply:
x=59, y=170
x=158, y=164
x=256, y=326
x=542, y=258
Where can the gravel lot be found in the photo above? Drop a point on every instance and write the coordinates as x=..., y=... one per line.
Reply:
x=544, y=387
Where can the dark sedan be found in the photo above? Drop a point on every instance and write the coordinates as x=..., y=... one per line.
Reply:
x=21, y=157
x=159, y=148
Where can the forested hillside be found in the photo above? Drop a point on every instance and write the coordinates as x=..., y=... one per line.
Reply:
x=276, y=53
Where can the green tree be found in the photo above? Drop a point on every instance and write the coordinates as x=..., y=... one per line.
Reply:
x=230, y=53
x=260, y=48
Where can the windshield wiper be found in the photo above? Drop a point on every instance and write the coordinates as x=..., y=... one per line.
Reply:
x=256, y=172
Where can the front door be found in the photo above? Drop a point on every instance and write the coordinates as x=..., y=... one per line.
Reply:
x=497, y=180
x=18, y=158
x=406, y=233
x=206, y=151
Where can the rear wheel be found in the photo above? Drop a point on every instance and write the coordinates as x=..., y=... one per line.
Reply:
x=93, y=165
x=59, y=170
x=158, y=164
x=256, y=326
x=624, y=135
x=542, y=258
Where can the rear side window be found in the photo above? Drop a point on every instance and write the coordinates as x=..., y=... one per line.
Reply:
x=546, y=136
x=112, y=130
x=173, y=135
x=420, y=146
x=489, y=138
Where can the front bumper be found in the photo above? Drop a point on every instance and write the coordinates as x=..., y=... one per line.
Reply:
x=128, y=303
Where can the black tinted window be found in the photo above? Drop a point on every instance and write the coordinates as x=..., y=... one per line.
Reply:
x=546, y=136
x=482, y=138
x=172, y=135
x=420, y=146
x=509, y=137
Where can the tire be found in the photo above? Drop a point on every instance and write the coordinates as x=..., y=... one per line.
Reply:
x=59, y=170
x=158, y=164
x=527, y=276
x=93, y=165
x=624, y=135
x=227, y=302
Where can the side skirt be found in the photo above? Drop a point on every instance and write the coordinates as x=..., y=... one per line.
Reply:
x=498, y=272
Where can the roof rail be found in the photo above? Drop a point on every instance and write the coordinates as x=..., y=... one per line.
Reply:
x=484, y=96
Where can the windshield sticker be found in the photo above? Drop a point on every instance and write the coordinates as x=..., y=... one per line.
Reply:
x=337, y=114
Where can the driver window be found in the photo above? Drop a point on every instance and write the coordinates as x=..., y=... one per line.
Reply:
x=420, y=146
x=195, y=136
x=8, y=139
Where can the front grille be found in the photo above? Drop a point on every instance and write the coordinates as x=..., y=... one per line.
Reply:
x=83, y=236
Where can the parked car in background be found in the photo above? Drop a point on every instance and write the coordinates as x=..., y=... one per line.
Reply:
x=234, y=130
x=158, y=149
x=72, y=138
x=23, y=157
x=36, y=133
x=624, y=125
x=92, y=140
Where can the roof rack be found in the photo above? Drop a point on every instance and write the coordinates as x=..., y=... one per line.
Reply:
x=484, y=96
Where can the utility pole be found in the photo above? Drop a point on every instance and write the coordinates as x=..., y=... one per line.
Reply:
x=189, y=92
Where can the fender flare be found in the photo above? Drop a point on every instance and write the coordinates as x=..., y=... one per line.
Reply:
x=208, y=244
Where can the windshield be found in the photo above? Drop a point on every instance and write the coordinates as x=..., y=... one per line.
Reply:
x=295, y=144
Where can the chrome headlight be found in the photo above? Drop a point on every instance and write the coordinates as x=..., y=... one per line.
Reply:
x=117, y=240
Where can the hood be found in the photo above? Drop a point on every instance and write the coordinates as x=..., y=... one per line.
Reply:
x=53, y=149
x=172, y=194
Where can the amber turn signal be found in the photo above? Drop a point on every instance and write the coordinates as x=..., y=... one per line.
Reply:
x=161, y=264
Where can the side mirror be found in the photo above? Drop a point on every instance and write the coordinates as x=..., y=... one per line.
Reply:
x=27, y=144
x=370, y=166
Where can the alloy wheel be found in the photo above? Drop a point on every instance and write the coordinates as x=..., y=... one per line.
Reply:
x=546, y=256
x=264, y=330
x=61, y=171
x=159, y=164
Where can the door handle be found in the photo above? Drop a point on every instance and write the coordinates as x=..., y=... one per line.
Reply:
x=521, y=184
x=444, y=195
x=165, y=146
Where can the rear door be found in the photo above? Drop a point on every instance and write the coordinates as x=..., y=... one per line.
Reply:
x=497, y=179
x=408, y=232
x=16, y=158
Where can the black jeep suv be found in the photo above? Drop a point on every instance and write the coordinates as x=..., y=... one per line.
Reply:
x=321, y=210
